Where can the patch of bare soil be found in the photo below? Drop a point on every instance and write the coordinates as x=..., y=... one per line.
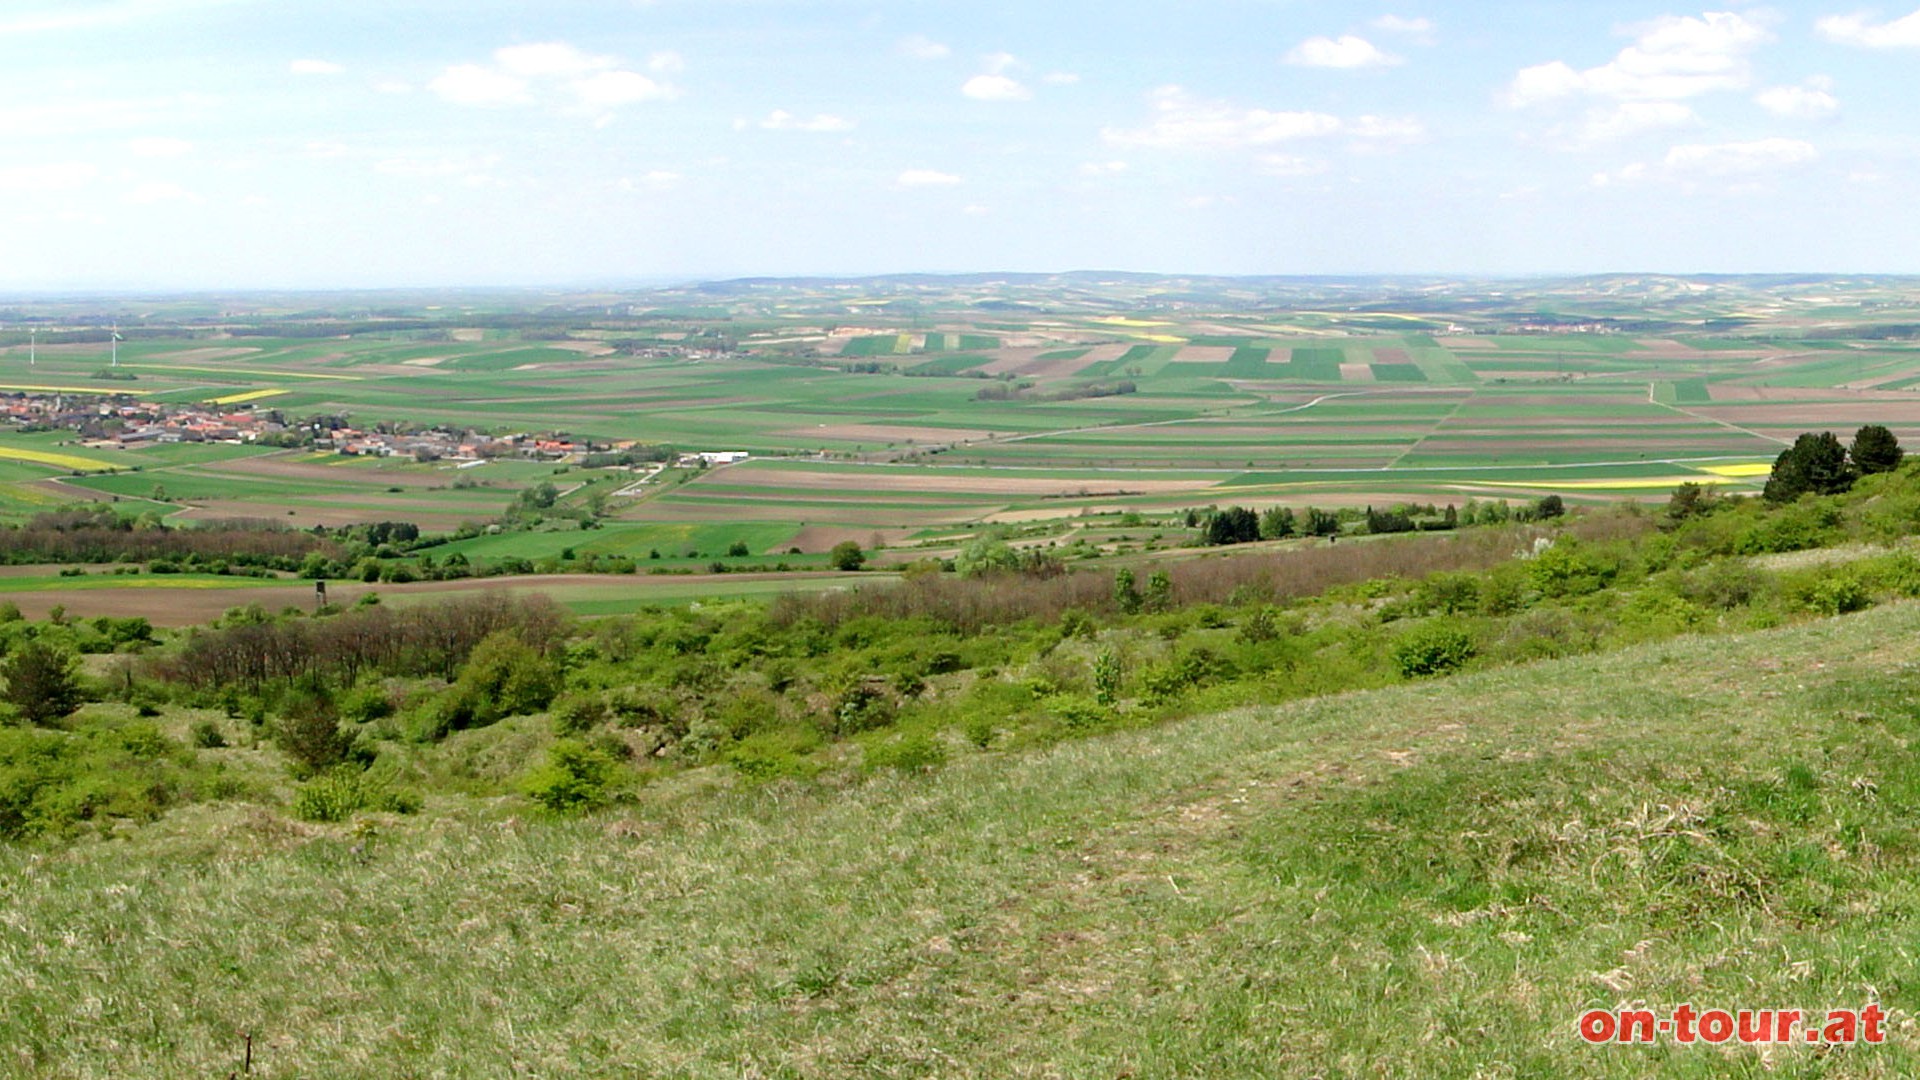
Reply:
x=988, y=482
x=818, y=538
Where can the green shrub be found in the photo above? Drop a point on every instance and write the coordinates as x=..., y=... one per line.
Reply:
x=1450, y=594
x=1570, y=568
x=511, y=677
x=338, y=794
x=912, y=752
x=578, y=712
x=1897, y=573
x=1502, y=592
x=1432, y=649
x=1107, y=677
x=773, y=755
x=1182, y=673
x=1794, y=528
x=145, y=741
x=208, y=736
x=327, y=798
x=55, y=782
x=365, y=703
x=1078, y=712
x=309, y=733
x=1724, y=584
x=1839, y=594
x=980, y=730
x=41, y=682
x=576, y=778
x=862, y=706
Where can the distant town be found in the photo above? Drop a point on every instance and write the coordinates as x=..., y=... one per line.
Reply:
x=120, y=421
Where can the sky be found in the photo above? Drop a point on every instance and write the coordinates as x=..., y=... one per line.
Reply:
x=222, y=144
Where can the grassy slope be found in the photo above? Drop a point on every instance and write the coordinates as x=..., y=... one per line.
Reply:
x=1430, y=880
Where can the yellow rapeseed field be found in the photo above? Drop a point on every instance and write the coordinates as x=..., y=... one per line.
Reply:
x=43, y=457
x=250, y=395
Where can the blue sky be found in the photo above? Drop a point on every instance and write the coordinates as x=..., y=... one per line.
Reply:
x=300, y=143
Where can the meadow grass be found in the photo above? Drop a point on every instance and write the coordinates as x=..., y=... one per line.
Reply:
x=1433, y=879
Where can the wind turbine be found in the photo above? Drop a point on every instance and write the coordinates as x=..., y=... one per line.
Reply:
x=116, y=339
x=32, y=345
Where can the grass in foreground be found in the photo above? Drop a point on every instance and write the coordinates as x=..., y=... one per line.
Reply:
x=1428, y=880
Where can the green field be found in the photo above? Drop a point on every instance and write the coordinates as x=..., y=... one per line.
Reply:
x=1293, y=391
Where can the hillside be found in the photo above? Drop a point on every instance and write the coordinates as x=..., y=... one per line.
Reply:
x=1431, y=879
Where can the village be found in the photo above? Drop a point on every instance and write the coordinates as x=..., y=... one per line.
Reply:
x=121, y=422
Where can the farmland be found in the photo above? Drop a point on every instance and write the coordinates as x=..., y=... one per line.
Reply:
x=912, y=410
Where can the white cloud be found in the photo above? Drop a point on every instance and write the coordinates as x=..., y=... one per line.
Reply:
x=1060, y=78
x=1181, y=121
x=1811, y=100
x=1631, y=118
x=315, y=67
x=1288, y=165
x=926, y=178
x=921, y=47
x=1402, y=129
x=522, y=73
x=443, y=165
x=607, y=89
x=1419, y=29
x=1344, y=52
x=666, y=63
x=154, y=146
x=1739, y=158
x=1672, y=58
x=159, y=191
x=998, y=63
x=1626, y=174
x=1901, y=33
x=549, y=58
x=1544, y=82
x=1694, y=163
x=1102, y=168
x=656, y=180
x=995, y=88
x=471, y=84
x=782, y=120
x=52, y=176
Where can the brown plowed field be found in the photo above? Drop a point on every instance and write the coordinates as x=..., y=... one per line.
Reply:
x=1028, y=362
x=817, y=538
x=1812, y=415
x=360, y=512
x=987, y=483
x=1203, y=354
